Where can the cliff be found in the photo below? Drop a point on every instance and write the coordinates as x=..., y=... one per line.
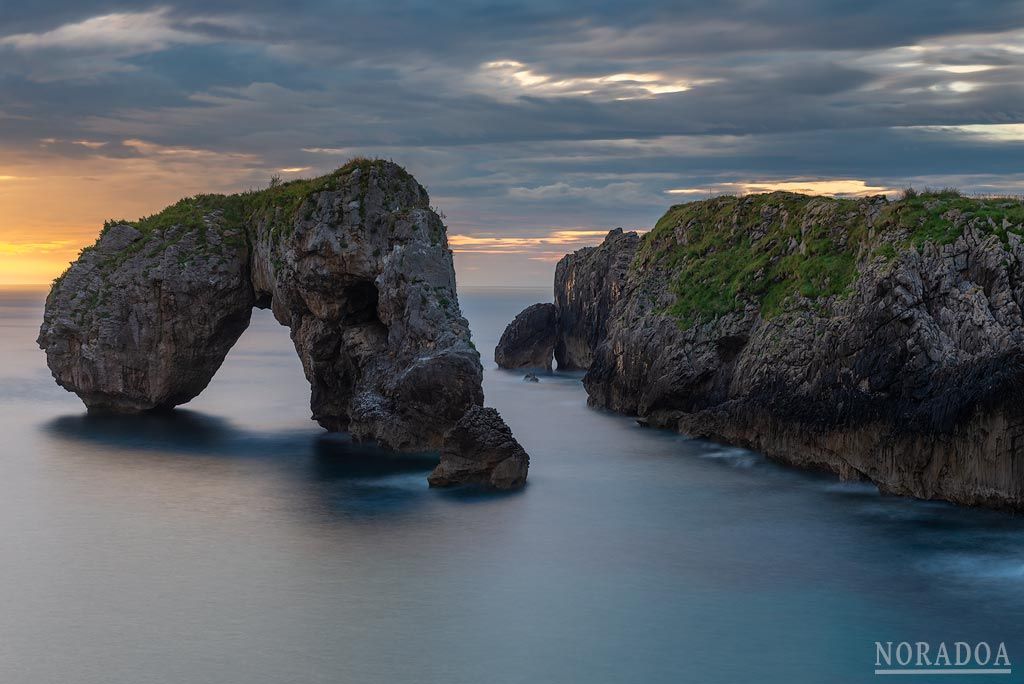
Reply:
x=876, y=339
x=355, y=263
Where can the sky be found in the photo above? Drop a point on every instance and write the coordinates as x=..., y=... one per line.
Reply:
x=535, y=126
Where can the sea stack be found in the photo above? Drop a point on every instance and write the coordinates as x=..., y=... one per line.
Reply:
x=355, y=263
x=529, y=340
x=480, y=449
x=881, y=340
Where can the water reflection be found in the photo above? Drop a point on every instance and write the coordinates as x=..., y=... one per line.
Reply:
x=338, y=477
x=235, y=541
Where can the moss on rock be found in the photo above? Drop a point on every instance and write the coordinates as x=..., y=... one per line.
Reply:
x=772, y=250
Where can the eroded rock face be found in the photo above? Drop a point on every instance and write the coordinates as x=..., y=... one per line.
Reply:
x=356, y=264
x=588, y=284
x=911, y=378
x=529, y=340
x=480, y=449
x=142, y=324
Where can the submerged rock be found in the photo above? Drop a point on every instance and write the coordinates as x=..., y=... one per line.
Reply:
x=531, y=377
x=878, y=340
x=480, y=449
x=529, y=340
x=355, y=263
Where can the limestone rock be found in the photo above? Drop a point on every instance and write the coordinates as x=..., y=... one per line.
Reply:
x=529, y=340
x=588, y=284
x=480, y=449
x=355, y=263
x=141, y=323
x=903, y=366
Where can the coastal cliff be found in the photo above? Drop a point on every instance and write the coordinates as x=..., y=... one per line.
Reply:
x=355, y=263
x=879, y=340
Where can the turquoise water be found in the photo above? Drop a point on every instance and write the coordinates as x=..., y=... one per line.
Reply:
x=236, y=542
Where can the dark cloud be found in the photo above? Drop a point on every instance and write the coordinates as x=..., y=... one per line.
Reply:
x=521, y=116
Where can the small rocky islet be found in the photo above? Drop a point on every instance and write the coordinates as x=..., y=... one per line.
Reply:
x=879, y=340
x=355, y=263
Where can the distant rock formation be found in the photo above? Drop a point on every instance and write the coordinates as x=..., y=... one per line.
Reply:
x=881, y=340
x=588, y=284
x=480, y=449
x=355, y=263
x=529, y=340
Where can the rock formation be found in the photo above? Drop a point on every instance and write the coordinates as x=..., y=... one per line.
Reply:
x=355, y=263
x=875, y=339
x=588, y=284
x=481, y=449
x=529, y=340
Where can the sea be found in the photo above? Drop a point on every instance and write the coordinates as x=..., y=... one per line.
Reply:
x=232, y=541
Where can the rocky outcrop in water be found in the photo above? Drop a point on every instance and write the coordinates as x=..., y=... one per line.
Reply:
x=529, y=340
x=480, y=449
x=355, y=263
x=878, y=340
x=588, y=284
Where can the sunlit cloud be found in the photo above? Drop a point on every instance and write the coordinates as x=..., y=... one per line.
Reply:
x=150, y=149
x=999, y=133
x=294, y=169
x=833, y=187
x=89, y=144
x=34, y=247
x=149, y=31
x=955, y=86
x=964, y=68
x=567, y=239
x=610, y=193
x=329, y=150
x=105, y=44
x=515, y=78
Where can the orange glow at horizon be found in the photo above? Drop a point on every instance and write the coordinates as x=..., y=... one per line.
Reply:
x=51, y=206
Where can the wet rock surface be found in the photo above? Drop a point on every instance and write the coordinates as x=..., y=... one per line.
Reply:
x=480, y=449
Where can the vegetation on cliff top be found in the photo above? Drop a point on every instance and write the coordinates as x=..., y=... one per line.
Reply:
x=280, y=198
x=725, y=253
x=278, y=204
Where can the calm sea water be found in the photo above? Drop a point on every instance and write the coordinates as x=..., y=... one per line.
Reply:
x=236, y=542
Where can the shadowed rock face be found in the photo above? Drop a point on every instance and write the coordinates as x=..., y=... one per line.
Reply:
x=895, y=352
x=356, y=264
x=480, y=449
x=588, y=284
x=529, y=340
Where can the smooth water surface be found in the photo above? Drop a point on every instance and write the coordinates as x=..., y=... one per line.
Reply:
x=236, y=542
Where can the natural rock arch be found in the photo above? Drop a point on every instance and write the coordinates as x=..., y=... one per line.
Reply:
x=355, y=263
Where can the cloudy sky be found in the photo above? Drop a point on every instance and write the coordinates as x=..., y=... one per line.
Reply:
x=535, y=126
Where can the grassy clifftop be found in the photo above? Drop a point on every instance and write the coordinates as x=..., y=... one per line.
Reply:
x=282, y=200
x=277, y=206
x=726, y=252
